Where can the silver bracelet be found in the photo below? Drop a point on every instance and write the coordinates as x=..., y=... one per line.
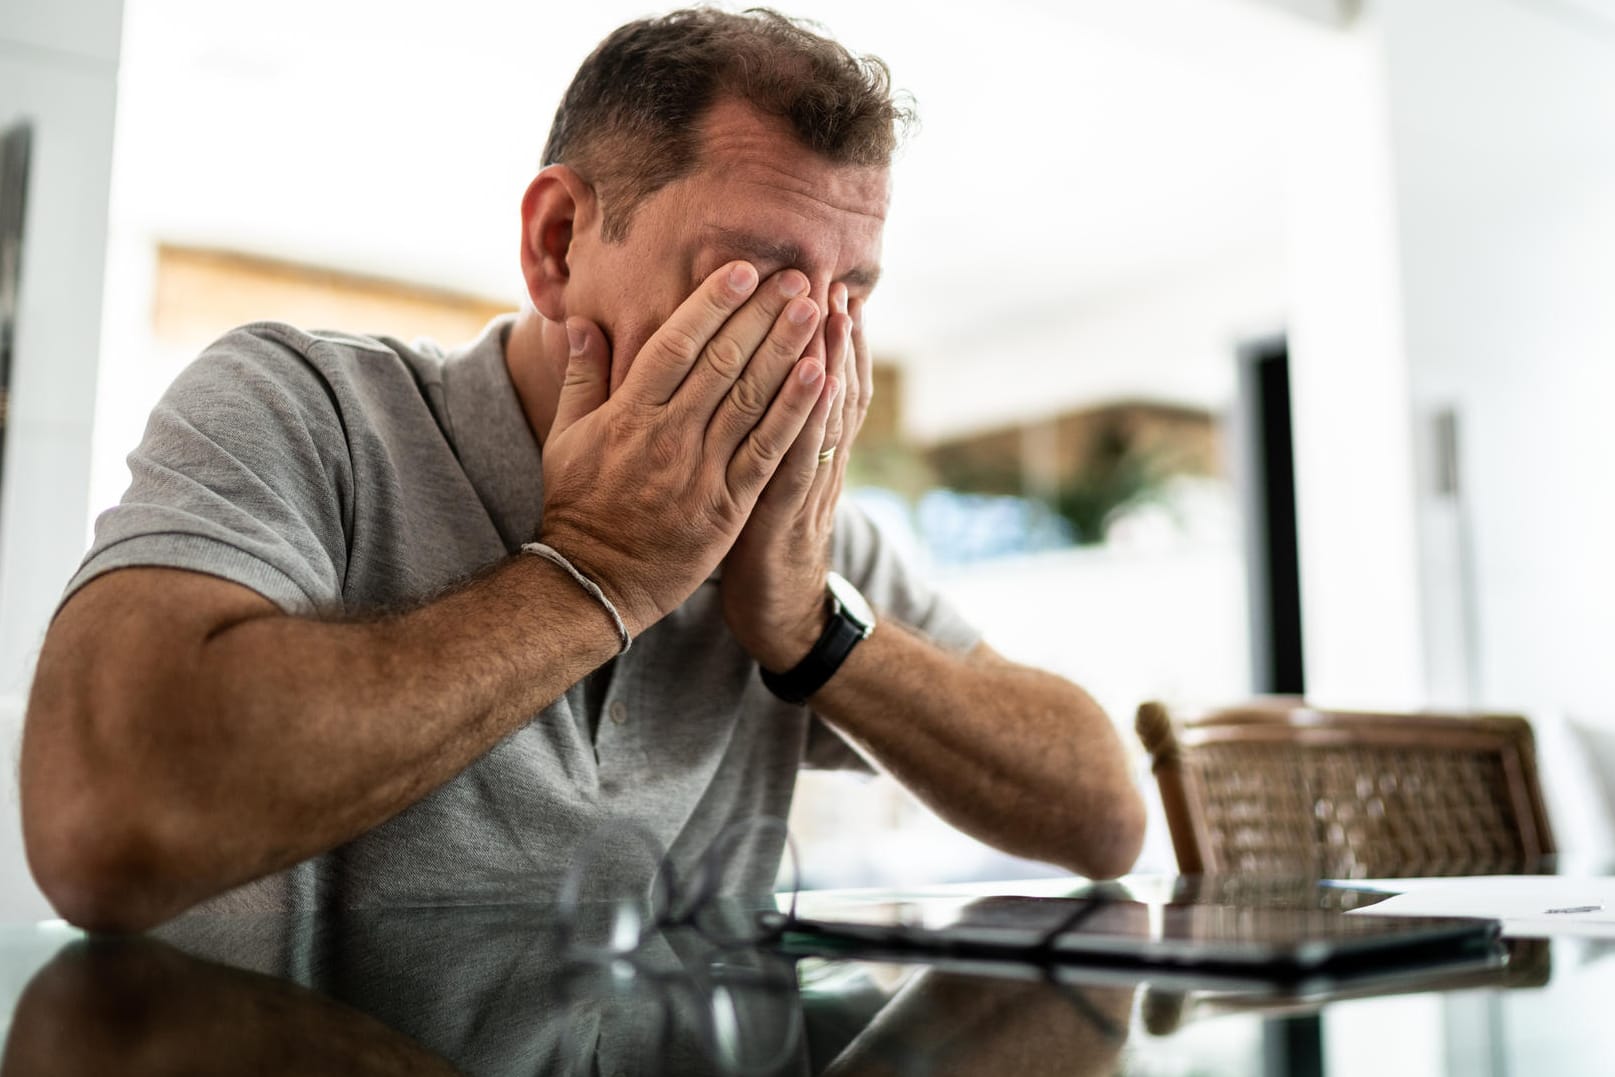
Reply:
x=550, y=553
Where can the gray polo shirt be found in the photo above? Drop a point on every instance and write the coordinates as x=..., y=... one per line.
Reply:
x=341, y=475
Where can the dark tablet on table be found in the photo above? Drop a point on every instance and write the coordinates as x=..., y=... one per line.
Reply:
x=1269, y=941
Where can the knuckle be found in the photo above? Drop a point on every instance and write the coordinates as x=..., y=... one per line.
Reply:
x=745, y=479
x=719, y=504
x=627, y=420
x=748, y=398
x=665, y=451
x=764, y=447
x=726, y=356
x=678, y=341
x=785, y=343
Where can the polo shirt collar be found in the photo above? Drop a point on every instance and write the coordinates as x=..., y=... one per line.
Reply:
x=491, y=436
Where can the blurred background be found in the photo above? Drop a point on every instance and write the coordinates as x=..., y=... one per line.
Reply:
x=1223, y=346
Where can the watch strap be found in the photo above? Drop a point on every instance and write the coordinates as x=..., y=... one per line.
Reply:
x=841, y=633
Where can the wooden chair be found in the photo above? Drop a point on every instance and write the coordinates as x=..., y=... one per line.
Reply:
x=1278, y=788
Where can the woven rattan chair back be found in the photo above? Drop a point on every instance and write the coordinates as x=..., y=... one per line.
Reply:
x=1280, y=788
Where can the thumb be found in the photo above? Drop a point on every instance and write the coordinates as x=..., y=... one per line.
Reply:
x=588, y=373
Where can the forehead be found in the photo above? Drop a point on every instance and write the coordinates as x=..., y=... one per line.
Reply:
x=760, y=194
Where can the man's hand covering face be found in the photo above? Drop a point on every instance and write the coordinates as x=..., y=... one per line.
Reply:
x=774, y=578
x=645, y=491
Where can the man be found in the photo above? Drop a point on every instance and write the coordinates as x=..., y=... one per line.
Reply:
x=358, y=632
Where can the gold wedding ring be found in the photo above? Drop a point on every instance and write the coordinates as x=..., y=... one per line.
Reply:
x=826, y=455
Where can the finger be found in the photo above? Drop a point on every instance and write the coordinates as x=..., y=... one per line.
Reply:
x=661, y=365
x=797, y=472
x=836, y=356
x=825, y=486
x=588, y=373
x=779, y=317
x=864, y=363
x=829, y=470
x=837, y=346
x=839, y=364
x=801, y=401
x=762, y=374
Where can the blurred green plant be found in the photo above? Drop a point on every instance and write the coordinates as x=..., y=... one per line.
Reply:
x=1118, y=475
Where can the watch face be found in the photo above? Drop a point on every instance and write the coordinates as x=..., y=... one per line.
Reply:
x=852, y=603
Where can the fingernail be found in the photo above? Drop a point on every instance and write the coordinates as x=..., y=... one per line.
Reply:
x=792, y=283
x=811, y=373
x=576, y=338
x=800, y=311
x=742, y=278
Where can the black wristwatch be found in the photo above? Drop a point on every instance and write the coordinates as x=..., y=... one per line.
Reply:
x=851, y=620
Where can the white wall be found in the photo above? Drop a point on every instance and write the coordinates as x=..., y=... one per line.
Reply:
x=1504, y=157
x=58, y=67
x=1452, y=237
x=1353, y=445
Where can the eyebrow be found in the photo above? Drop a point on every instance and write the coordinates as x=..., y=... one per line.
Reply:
x=755, y=248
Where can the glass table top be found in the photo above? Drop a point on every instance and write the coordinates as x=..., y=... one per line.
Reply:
x=493, y=989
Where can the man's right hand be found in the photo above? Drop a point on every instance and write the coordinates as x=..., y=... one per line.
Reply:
x=646, y=491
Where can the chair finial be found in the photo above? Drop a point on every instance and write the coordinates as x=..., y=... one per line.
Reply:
x=1155, y=730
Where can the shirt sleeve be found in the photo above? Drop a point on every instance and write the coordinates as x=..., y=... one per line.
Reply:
x=871, y=563
x=243, y=473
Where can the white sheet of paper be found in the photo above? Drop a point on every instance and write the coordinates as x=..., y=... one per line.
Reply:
x=1535, y=906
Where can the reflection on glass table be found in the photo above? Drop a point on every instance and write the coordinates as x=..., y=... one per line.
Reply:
x=500, y=989
x=487, y=991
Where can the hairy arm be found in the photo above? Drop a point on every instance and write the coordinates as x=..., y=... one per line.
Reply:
x=184, y=736
x=1014, y=756
x=1019, y=758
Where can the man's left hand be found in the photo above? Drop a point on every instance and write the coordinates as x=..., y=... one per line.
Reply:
x=773, y=583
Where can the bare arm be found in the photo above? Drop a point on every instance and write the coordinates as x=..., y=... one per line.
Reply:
x=1014, y=756
x=1017, y=757
x=183, y=736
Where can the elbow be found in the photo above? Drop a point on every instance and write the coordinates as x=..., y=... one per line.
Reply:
x=1114, y=838
x=100, y=844
x=100, y=870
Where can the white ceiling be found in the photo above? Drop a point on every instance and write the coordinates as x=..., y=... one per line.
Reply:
x=1068, y=148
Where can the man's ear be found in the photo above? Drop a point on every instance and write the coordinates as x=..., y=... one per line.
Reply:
x=557, y=207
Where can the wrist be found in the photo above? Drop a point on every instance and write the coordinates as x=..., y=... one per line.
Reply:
x=787, y=644
x=633, y=605
x=847, y=621
x=592, y=589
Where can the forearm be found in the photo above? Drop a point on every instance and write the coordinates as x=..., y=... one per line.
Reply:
x=1016, y=757
x=210, y=760
x=390, y=709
